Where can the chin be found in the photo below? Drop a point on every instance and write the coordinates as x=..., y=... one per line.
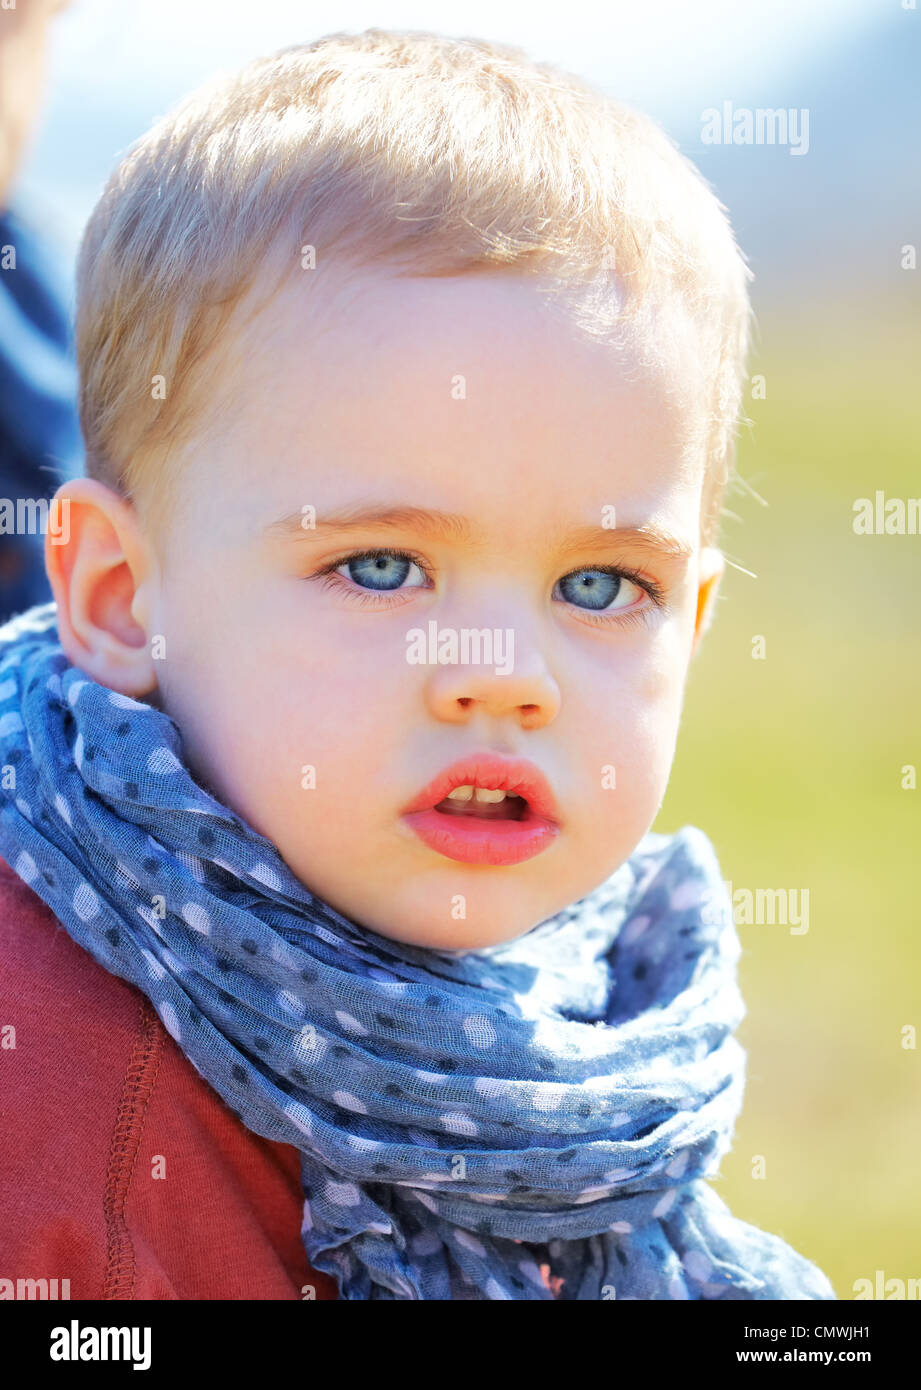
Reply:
x=457, y=936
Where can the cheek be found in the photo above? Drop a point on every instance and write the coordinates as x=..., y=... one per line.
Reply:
x=265, y=711
x=641, y=695
x=284, y=712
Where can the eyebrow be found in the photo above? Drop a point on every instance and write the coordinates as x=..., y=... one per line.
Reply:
x=437, y=525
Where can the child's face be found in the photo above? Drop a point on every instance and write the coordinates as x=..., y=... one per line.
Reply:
x=459, y=396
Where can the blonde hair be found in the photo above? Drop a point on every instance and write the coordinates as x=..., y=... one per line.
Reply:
x=428, y=154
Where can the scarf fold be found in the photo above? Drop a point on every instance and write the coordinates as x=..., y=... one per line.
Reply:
x=529, y=1121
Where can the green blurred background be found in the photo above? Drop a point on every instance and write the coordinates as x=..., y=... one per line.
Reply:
x=792, y=765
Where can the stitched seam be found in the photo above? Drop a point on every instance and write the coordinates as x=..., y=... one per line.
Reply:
x=140, y=1078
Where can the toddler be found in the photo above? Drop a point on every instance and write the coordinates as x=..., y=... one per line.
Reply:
x=409, y=378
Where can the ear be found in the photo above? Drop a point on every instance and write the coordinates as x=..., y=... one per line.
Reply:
x=101, y=573
x=710, y=572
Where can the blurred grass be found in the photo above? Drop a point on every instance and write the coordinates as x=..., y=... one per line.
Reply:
x=792, y=765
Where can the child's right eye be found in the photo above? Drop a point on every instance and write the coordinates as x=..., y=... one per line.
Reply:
x=376, y=572
x=383, y=570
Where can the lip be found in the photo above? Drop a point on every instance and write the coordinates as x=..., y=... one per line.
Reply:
x=497, y=842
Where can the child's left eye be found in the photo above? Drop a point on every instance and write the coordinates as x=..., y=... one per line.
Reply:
x=600, y=590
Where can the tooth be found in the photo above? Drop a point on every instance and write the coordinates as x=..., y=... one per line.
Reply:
x=484, y=794
x=461, y=794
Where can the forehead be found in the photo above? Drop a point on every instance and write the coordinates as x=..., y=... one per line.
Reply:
x=473, y=394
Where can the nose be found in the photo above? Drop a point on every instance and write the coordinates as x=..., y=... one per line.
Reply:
x=458, y=694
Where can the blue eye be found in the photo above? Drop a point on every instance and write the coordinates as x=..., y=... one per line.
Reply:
x=382, y=570
x=599, y=590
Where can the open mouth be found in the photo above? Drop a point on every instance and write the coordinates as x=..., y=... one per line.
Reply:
x=483, y=804
x=464, y=815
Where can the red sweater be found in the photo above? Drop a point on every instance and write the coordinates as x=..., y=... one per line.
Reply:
x=121, y=1170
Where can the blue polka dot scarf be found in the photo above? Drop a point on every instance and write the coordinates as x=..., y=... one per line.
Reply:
x=531, y=1121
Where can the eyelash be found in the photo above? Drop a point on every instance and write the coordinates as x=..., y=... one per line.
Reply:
x=337, y=582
